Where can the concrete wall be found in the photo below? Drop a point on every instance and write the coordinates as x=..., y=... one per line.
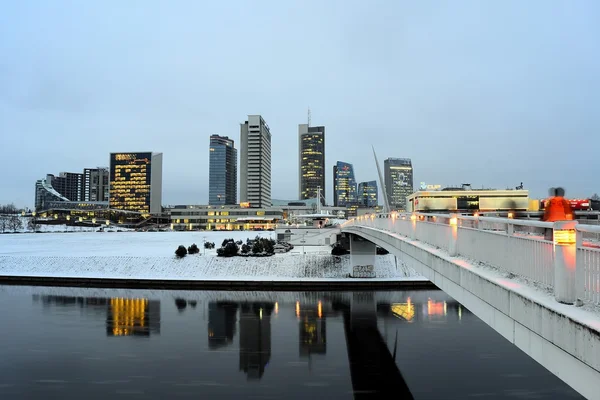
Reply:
x=553, y=334
x=362, y=254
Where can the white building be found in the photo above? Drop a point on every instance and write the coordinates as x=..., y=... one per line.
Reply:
x=255, y=162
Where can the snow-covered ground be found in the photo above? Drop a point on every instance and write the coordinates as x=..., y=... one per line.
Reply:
x=150, y=255
x=105, y=244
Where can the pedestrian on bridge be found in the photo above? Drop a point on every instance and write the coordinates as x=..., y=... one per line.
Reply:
x=557, y=209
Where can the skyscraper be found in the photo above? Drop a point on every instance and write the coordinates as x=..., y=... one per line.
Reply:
x=344, y=184
x=222, y=184
x=255, y=338
x=398, y=181
x=136, y=182
x=255, y=162
x=69, y=184
x=95, y=184
x=311, y=146
x=367, y=194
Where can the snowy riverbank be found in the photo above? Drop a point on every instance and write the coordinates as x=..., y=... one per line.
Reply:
x=150, y=255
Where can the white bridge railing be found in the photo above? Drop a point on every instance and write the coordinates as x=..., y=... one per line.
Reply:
x=561, y=255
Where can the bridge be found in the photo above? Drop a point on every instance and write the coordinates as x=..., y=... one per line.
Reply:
x=542, y=295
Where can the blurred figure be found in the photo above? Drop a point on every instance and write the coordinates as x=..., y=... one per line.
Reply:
x=557, y=209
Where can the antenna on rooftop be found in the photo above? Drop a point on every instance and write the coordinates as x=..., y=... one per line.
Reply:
x=308, y=116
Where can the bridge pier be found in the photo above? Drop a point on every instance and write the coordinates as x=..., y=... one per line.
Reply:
x=362, y=257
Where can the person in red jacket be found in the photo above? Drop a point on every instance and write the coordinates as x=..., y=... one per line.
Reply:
x=557, y=209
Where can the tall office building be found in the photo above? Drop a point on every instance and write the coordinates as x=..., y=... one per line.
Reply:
x=69, y=184
x=136, y=182
x=255, y=162
x=311, y=146
x=344, y=184
x=45, y=193
x=398, y=181
x=222, y=181
x=95, y=184
x=367, y=194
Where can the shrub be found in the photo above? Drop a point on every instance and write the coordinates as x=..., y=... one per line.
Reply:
x=225, y=241
x=257, y=247
x=239, y=242
x=231, y=249
x=209, y=245
x=181, y=251
x=338, y=250
x=268, y=246
x=245, y=249
x=193, y=249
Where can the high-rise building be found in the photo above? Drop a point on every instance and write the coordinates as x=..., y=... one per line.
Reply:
x=398, y=181
x=95, y=184
x=45, y=193
x=367, y=194
x=311, y=145
x=136, y=182
x=69, y=184
x=255, y=162
x=344, y=184
x=222, y=181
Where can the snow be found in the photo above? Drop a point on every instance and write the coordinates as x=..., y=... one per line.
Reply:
x=150, y=255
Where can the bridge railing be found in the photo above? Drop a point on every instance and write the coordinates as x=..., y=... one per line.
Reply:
x=518, y=246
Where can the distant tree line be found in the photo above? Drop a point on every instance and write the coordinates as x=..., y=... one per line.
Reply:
x=10, y=221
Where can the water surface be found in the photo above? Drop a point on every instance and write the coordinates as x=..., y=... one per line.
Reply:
x=70, y=343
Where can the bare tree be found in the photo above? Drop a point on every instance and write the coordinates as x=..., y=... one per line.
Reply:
x=3, y=223
x=8, y=209
x=595, y=197
x=14, y=223
x=33, y=224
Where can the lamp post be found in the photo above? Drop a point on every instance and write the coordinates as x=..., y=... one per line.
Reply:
x=204, y=244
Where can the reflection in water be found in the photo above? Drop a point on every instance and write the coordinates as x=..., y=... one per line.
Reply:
x=255, y=338
x=124, y=317
x=312, y=329
x=221, y=323
x=291, y=345
x=132, y=317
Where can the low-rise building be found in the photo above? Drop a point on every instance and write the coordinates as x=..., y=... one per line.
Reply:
x=204, y=217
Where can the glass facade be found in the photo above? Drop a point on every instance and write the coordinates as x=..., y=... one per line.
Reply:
x=344, y=184
x=45, y=193
x=312, y=161
x=130, y=177
x=367, y=194
x=222, y=185
x=398, y=181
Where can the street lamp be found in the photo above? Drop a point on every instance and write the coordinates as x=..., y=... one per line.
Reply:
x=204, y=244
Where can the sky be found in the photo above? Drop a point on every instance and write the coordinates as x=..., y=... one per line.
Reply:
x=491, y=93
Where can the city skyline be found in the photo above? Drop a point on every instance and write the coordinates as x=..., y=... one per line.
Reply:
x=446, y=85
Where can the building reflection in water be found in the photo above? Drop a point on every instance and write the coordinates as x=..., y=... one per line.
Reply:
x=132, y=317
x=431, y=310
x=255, y=338
x=312, y=329
x=124, y=317
x=222, y=318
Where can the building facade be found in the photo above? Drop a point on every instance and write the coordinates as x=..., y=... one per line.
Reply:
x=255, y=162
x=136, y=182
x=311, y=159
x=344, y=184
x=45, y=193
x=222, y=181
x=398, y=180
x=69, y=184
x=367, y=194
x=96, y=184
x=202, y=217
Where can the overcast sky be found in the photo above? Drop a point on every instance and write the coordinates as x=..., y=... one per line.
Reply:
x=486, y=92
